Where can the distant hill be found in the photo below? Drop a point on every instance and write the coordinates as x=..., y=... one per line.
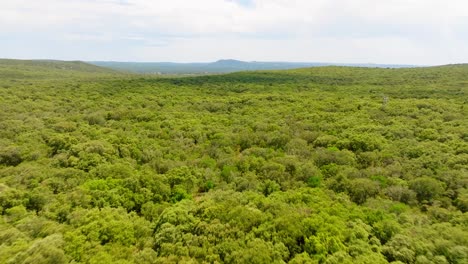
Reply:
x=221, y=66
x=10, y=68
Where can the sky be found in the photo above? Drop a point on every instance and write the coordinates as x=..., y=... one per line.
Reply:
x=418, y=32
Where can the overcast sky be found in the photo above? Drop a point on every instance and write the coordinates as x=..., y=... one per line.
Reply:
x=425, y=32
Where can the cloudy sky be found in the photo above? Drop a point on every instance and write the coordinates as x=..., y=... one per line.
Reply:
x=425, y=32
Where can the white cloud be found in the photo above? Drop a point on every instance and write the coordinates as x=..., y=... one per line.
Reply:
x=399, y=31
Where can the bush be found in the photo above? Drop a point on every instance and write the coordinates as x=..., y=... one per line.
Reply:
x=96, y=119
x=314, y=181
x=427, y=188
x=269, y=187
x=10, y=156
x=400, y=194
x=360, y=189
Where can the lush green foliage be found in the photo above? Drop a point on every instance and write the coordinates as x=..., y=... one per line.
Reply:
x=322, y=165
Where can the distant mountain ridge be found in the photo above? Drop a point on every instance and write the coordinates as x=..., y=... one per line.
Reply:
x=223, y=66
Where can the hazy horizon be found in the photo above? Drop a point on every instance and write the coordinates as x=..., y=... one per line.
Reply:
x=431, y=32
x=226, y=59
x=254, y=61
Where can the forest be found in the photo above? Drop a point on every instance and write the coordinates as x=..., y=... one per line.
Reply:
x=313, y=165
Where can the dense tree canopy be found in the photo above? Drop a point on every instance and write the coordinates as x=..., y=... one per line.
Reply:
x=320, y=165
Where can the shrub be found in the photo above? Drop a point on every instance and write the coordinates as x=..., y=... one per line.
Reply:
x=10, y=156
x=427, y=188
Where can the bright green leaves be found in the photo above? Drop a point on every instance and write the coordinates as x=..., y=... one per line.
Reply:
x=105, y=234
x=301, y=166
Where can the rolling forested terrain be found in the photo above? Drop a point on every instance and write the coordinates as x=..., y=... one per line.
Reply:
x=319, y=165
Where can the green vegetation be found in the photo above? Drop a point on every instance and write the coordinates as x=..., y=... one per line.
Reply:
x=14, y=70
x=321, y=165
